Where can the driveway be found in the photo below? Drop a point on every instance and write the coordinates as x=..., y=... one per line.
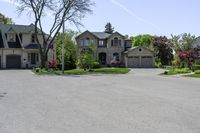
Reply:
x=139, y=102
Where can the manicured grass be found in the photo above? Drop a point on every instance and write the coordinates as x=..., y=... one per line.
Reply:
x=175, y=71
x=193, y=76
x=82, y=72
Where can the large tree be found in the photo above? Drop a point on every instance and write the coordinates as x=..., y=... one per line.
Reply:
x=108, y=28
x=70, y=49
x=142, y=40
x=5, y=20
x=182, y=42
x=61, y=10
x=163, y=50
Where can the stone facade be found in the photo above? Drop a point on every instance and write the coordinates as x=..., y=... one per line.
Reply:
x=109, y=46
x=115, y=47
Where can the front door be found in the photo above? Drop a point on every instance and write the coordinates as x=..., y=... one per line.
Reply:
x=33, y=58
x=102, y=58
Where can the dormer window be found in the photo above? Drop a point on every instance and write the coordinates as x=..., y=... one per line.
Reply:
x=11, y=37
x=33, y=38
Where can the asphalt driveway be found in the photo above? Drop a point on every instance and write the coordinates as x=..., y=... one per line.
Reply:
x=139, y=102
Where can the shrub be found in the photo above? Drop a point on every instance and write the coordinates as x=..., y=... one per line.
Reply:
x=52, y=64
x=67, y=66
x=96, y=65
x=197, y=72
x=166, y=72
x=183, y=70
x=37, y=70
x=159, y=65
x=196, y=67
x=115, y=63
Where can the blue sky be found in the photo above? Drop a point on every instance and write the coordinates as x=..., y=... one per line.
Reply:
x=156, y=17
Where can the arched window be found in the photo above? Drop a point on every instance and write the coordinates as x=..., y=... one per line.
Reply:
x=116, y=41
x=116, y=56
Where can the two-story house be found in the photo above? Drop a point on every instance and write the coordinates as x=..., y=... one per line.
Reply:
x=18, y=47
x=115, y=46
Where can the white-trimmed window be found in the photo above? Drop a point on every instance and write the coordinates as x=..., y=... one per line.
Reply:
x=11, y=37
x=101, y=43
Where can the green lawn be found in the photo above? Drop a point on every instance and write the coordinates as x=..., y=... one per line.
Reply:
x=82, y=72
x=175, y=71
x=193, y=76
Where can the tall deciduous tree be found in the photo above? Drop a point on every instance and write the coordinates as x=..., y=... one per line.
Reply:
x=70, y=49
x=108, y=28
x=182, y=42
x=142, y=40
x=5, y=19
x=61, y=10
x=87, y=57
x=163, y=50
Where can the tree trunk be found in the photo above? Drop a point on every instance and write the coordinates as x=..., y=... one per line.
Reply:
x=43, y=57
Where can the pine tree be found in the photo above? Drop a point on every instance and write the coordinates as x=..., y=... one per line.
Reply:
x=108, y=28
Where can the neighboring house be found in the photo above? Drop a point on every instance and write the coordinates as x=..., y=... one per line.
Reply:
x=113, y=46
x=18, y=47
x=196, y=43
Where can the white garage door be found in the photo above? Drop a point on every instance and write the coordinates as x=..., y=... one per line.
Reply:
x=134, y=62
x=147, y=62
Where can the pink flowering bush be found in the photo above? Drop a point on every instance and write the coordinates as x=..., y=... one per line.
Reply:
x=115, y=63
x=52, y=64
x=189, y=57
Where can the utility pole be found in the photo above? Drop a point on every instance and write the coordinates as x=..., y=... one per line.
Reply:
x=63, y=49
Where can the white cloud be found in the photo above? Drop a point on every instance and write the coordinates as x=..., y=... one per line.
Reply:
x=133, y=14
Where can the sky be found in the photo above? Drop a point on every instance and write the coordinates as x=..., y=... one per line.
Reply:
x=132, y=17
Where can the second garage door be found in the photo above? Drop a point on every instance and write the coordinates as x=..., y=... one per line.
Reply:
x=146, y=61
x=13, y=61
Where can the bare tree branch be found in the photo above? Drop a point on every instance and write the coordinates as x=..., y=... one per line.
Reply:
x=62, y=11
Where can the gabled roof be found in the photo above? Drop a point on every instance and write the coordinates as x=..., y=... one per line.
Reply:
x=134, y=48
x=101, y=35
x=5, y=28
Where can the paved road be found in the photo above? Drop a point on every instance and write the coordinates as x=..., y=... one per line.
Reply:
x=139, y=102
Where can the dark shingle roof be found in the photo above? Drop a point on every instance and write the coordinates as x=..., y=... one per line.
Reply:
x=17, y=28
x=101, y=35
x=32, y=46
